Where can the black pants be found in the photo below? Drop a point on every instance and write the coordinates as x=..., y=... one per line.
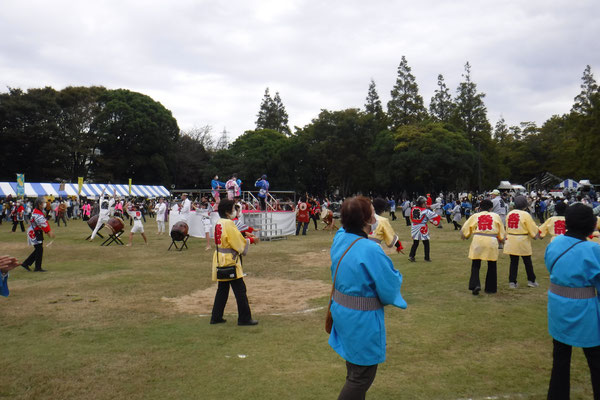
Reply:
x=407, y=221
x=491, y=278
x=263, y=203
x=561, y=370
x=540, y=216
x=456, y=225
x=35, y=256
x=15, y=223
x=393, y=215
x=448, y=218
x=359, y=379
x=298, y=224
x=315, y=219
x=239, y=290
x=415, y=245
x=514, y=268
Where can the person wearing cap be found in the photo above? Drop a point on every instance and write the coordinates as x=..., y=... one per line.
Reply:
x=573, y=303
x=520, y=229
x=35, y=236
x=487, y=230
x=263, y=189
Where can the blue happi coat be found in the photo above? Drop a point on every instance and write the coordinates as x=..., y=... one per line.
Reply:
x=575, y=322
x=365, y=271
x=3, y=284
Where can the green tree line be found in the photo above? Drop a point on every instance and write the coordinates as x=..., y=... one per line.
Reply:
x=112, y=135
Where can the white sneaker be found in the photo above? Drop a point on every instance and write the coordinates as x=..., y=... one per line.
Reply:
x=532, y=284
x=512, y=285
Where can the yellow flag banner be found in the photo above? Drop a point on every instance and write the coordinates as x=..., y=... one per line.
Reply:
x=130, y=186
x=80, y=184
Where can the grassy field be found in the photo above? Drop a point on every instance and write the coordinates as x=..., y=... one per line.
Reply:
x=106, y=323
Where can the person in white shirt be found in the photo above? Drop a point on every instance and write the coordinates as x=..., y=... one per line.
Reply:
x=161, y=209
x=107, y=203
x=137, y=227
x=186, y=206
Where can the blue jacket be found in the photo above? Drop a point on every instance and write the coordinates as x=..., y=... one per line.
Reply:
x=3, y=285
x=575, y=322
x=263, y=185
x=359, y=336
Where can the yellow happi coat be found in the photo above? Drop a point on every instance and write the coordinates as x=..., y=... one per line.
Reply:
x=520, y=229
x=231, y=244
x=384, y=233
x=486, y=229
x=553, y=226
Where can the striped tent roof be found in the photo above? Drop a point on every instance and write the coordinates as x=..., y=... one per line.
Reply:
x=88, y=189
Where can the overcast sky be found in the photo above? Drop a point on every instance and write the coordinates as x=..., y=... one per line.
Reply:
x=209, y=62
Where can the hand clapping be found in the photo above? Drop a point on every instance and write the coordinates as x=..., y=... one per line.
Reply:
x=7, y=263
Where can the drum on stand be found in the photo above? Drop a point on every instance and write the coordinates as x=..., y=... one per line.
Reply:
x=115, y=225
x=92, y=222
x=179, y=231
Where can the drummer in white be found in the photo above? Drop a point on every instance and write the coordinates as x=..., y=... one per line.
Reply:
x=186, y=206
x=137, y=227
x=107, y=202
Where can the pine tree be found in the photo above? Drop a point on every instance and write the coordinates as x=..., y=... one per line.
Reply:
x=272, y=114
x=406, y=105
x=281, y=116
x=501, y=131
x=373, y=104
x=441, y=105
x=583, y=101
x=470, y=113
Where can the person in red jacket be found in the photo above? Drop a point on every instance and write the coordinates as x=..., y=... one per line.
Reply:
x=18, y=215
x=302, y=216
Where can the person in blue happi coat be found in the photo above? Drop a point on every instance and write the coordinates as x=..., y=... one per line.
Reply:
x=364, y=283
x=7, y=263
x=573, y=302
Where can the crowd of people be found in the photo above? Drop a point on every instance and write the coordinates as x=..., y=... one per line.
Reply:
x=365, y=279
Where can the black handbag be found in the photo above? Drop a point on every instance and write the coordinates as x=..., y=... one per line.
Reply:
x=229, y=272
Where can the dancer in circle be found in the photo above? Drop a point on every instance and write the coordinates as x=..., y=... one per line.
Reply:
x=420, y=215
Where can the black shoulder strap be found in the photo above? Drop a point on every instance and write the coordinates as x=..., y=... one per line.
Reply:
x=563, y=253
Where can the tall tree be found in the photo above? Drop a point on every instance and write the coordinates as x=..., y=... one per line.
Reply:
x=138, y=139
x=373, y=103
x=470, y=114
x=441, y=105
x=501, y=130
x=272, y=114
x=406, y=105
x=583, y=101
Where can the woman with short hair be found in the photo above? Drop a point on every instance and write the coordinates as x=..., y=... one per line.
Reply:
x=364, y=281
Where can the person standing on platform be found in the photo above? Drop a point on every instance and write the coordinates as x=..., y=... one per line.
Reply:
x=230, y=245
x=520, y=229
x=106, y=204
x=18, y=216
x=186, y=206
x=419, y=217
x=232, y=187
x=302, y=216
x=216, y=185
x=239, y=182
x=35, y=236
x=573, y=304
x=161, y=210
x=487, y=230
x=263, y=190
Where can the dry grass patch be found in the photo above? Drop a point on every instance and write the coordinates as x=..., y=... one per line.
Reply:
x=266, y=296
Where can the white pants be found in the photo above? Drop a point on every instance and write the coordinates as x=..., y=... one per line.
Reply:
x=161, y=226
x=102, y=219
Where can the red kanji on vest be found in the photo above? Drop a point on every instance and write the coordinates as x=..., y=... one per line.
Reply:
x=513, y=221
x=218, y=233
x=484, y=222
x=559, y=227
